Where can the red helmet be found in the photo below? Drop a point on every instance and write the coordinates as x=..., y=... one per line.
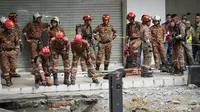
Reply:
x=9, y=24
x=131, y=15
x=78, y=39
x=59, y=34
x=146, y=18
x=12, y=16
x=106, y=17
x=45, y=51
x=87, y=17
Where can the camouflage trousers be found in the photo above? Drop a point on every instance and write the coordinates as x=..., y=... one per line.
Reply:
x=147, y=55
x=8, y=62
x=93, y=59
x=90, y=67
x=178, y=54
x=134, y=45
x=65, y=59
x=34, y=47
x=159, y=52
x=104, y=49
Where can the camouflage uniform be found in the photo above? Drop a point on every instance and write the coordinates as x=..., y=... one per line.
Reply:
x=158, y=33
x=34, y=32
x=60, y=47
x=82, y=51
x=106, y=34
x=178, y=49
x=86, y=33
x=41, y=69
x=9, y=46
x=133, y=41
x=145, y=34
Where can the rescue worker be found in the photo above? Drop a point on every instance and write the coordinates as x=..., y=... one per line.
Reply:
x=107, y=33
x=41, y=68
x=86, y=31
x=60, y=46
x=9, y=48
x=13, y=17
x=32, y=33
x=190, y=34
x=158, y=34
x=196, y=38
x=55, y=21
x=81, y=48
x=178, y=50
x=168, y=41
x=145, y=34
x=133, y=41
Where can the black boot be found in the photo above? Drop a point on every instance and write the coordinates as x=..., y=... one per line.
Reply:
x=11, y=78
x=8, y=80
x=37, y=83
x=16, y=75
x=97, y=67
x=95, y=81
x=72, y=82
x=176, y=71
x=106, y=66
x=66, y=79
x=55, y=79
x=147, y=74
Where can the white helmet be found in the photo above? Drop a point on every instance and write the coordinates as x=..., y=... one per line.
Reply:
x=36, y=15
x=3, y=19
x=55, y=18
x=157, y=18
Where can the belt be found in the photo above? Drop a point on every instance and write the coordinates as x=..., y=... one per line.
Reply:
x=133, y=38
x=34, y=38
x=105, y=42
x=7, y=49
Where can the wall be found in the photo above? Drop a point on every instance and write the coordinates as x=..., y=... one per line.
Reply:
x=151, y=7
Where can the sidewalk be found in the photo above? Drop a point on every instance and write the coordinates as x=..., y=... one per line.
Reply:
x=25, y=84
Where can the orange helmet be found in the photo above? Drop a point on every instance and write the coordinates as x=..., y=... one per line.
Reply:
x=106, y=17
x=87, y=17
x=59, y=35
x=12, y=16
x=146, y=18
x=45, y=51
x=78, y=39
x=9, y=24
x=131, y=15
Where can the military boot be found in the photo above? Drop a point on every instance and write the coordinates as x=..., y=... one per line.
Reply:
x=37, y=83
x=106, y=66
x=95, y=81
x=55, y=79
x=8, y=80
x=16, y=75
x=11, y=78
x=72, y=82
x=97, y=68
x=176, y=71
x=66, y=78
x=147, y=74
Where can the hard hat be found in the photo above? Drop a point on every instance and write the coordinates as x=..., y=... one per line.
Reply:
x=55, y=18
x=12, y=16
x=37, y=15
x=59, y=35
x=156, y=18
x=3, y=19
x=87, y=17
x=9, y=24
x=45, y=51
x=106, y=17
x=78, y=39
x=146, y=18
x=131, y=15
